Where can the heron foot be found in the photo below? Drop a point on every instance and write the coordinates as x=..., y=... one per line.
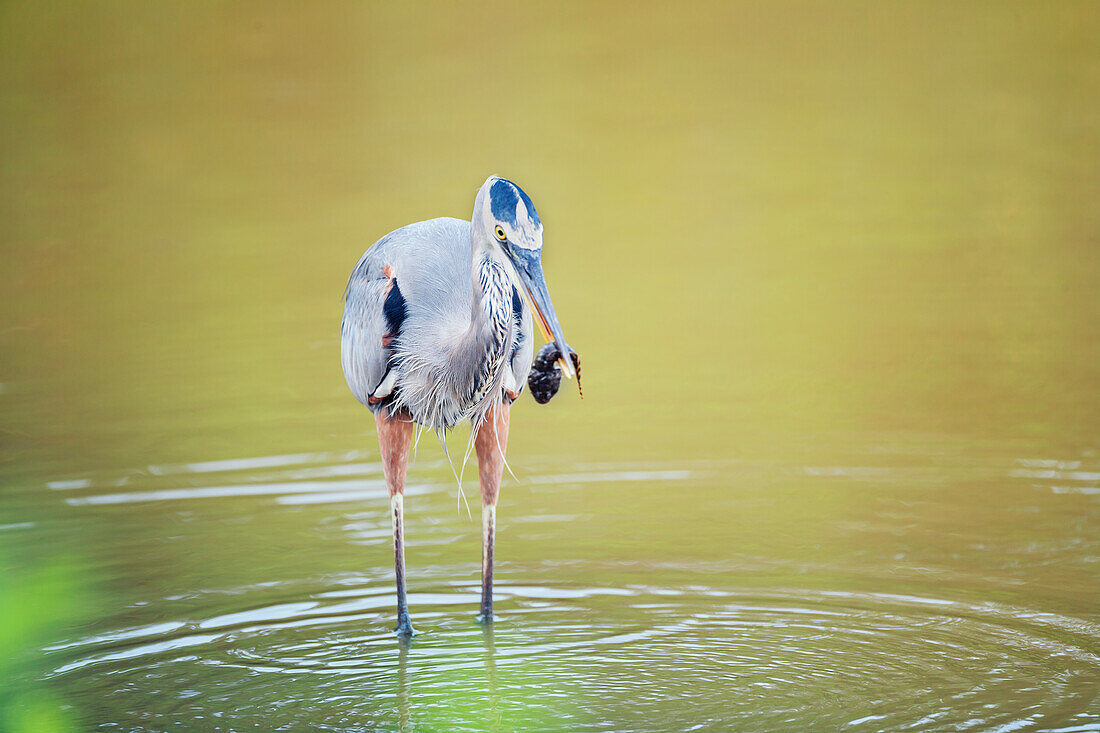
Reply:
x=486, y=617
x=404, y=628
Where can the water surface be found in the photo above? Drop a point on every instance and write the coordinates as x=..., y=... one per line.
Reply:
x=832, y=273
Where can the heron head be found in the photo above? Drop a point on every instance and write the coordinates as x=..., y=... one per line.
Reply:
x=505, y=223
x=505, y=215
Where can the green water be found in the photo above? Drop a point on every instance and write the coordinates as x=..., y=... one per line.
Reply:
x=832, y=272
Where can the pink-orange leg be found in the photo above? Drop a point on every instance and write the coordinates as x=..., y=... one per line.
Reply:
x=491, y=443
x=394, y=437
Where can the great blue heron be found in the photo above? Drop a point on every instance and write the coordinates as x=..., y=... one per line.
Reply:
x=436, y=333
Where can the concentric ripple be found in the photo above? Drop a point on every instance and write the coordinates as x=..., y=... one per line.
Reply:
x=320, y=654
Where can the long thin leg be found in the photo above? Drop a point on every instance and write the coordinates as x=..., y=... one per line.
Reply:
x=394, y=436
x=491, y=443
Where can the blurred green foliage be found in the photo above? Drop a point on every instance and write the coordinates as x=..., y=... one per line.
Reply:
x=37, y=605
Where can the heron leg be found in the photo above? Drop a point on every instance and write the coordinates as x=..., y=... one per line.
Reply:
x=491, y=443
x=394, y=437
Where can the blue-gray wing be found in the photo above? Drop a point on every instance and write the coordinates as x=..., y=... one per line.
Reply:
x=414, y=285
x=362, y=352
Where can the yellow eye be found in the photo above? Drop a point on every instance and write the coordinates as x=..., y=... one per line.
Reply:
x=500, y=234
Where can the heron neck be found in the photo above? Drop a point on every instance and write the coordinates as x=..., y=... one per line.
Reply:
x=491, y=303
x=488, y=341
x=490, y=334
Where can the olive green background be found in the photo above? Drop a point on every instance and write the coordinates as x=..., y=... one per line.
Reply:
x=832, y=271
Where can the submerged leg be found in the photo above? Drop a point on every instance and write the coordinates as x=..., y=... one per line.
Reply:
x=394, y=436
x=491, y=442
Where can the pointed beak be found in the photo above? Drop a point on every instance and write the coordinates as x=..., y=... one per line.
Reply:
x=529, y=267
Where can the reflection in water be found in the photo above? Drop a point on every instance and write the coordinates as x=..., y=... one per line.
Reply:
x=492, y=697
x=404, y=710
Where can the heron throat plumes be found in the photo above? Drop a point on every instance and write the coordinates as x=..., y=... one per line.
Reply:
x=463, y=378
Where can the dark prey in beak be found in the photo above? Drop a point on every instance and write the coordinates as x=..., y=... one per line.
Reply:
x=545, y=377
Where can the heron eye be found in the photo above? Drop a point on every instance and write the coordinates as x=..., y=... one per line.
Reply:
x=500, y=234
